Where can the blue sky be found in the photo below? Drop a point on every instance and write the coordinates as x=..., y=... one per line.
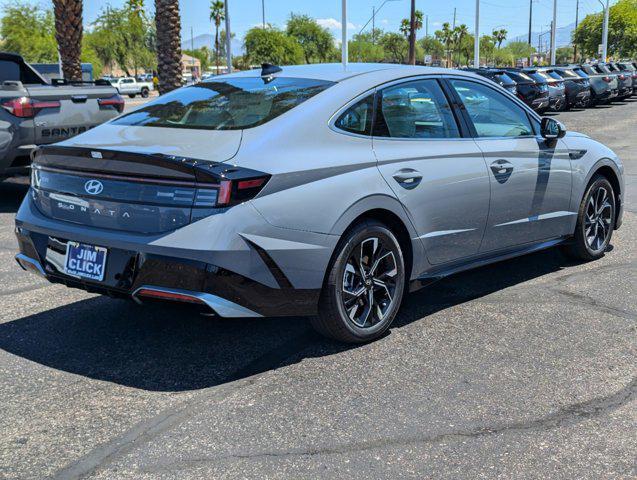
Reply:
x=509, y=14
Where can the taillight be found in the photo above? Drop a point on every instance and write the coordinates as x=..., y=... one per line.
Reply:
x=607, y=79
x=634, y=76
x=226, y=194
x=24, y=107
x=232, y=192
x=622, y=77
x=115, y=101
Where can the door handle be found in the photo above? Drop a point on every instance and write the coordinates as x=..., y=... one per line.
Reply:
x=502, y=170
x=408, y=178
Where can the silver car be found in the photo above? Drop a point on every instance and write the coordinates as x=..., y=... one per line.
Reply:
x=314, y=190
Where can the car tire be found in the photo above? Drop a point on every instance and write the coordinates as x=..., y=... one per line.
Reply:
x=144, y=93
x=595, y=221
x=364, y=285
x=132, y=95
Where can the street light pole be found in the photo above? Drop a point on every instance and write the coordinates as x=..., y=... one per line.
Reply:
x=344, y=33
x=476, y=43
x=228, y=40
x=605, y=33
x=553, y=29
x=263, y=12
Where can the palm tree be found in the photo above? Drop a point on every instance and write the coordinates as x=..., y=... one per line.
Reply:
x=68, y=34
x=500, y=36
x=459, y=33
x=405, y=24
x=217, y=15
x=168, y=24
x=446, y=37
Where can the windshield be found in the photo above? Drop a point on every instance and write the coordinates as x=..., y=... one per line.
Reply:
x=230, y=104
x=537, y=76
x=504, y=79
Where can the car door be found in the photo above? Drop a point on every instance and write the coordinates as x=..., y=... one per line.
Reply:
x=439, y=176
x=530, y=177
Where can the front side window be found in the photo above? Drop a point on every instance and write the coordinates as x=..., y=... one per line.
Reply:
x=416, y=109
x=358, y=118
x=492, y=114
x=230, y=104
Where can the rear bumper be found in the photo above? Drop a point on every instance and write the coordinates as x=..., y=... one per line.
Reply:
x=266, y=272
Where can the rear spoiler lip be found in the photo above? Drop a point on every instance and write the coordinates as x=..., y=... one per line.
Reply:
x=202, y=171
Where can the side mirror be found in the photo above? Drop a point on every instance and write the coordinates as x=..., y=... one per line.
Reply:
x=551, y=129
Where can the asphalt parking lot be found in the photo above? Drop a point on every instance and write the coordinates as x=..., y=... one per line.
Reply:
x=521, y=370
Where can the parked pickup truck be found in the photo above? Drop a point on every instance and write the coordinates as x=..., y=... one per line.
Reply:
x=34, y=112
x=131, y=87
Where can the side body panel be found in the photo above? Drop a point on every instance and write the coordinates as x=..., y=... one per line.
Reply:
x=449, y=206
x=530, y=193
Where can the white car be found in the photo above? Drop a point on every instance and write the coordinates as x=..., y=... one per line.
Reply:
x=131, y=87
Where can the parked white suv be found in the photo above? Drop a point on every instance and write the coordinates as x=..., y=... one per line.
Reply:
x=131, y=87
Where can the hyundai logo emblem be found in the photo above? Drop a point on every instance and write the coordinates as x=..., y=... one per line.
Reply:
x=93, y=187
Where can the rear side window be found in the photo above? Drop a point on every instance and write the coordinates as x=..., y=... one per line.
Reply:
x=417, y=109
x=9, y=71
x=358, y=118
x=492, y=114
x=231, y=104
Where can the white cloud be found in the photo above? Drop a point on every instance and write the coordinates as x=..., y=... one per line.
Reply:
x=384, y=21
x=333, y=24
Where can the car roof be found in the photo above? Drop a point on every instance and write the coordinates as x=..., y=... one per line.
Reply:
x=334, y=72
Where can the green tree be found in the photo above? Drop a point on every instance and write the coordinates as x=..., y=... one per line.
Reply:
x=203, y=54
x=29, y=31
x=519, y=49
x=432, y=46
x=364, y=48
x=459, y=34
x=396, y=47
x=487, y=48
x=217, y=15
x=445, y=35
x=317, y=42
x=500, y=36
x=622, y=31
x=272, y=46
x=564, y=54
x=405, y=24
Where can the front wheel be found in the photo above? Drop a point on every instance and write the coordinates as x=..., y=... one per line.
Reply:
x=364, y=285
x=595, y=221
x=144, y=93
x=132, y=95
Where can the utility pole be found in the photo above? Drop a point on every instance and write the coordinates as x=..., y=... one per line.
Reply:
x=344, y=33
x=553, y=28
x=605, y=33
x=576, y=24
x=373, y=22
x=228, y=40
x=476, y=44
x=531, y=27
x=263, y=12
x=412, y=34
x=427, y=26
x=454, y=18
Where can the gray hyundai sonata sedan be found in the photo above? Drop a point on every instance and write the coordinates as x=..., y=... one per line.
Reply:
x=314, y=190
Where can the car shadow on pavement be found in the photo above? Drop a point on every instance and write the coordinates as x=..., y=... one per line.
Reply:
x=11, y=195
x=168, y=348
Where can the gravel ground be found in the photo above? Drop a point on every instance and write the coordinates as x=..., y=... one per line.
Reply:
x=525, y=369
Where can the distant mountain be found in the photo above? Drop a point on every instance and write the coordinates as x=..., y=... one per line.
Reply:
x=563, y=37
x=208, y=40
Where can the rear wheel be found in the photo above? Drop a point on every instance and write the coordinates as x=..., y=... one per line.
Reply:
x=144, y=93
x=132, y=95
x=595, y=221
x=364, y=285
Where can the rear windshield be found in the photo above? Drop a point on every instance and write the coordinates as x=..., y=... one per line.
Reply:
x=580, y=72
x=520, y=77
x=504, y=79
x=538, y=77
x=568, y=73
x=554, y=75
x=230, y=104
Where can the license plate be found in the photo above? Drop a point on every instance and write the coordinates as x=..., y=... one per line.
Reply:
x=86, y=261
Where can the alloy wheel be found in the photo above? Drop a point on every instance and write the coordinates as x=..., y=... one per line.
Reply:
x=599, y=219
x=369, y=282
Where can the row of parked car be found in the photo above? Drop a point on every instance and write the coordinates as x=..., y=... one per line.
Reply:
x=562, y=87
